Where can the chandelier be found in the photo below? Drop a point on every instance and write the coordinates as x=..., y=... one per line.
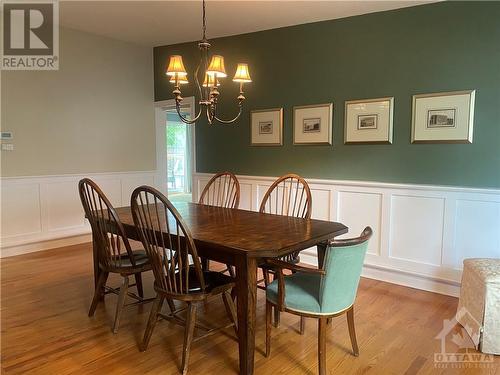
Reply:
x=208, y=91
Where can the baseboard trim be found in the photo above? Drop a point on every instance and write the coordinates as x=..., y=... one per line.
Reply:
x=26, y=248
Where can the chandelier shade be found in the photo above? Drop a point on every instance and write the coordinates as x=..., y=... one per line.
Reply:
x=209, y=81
x=242, y=74
x=176, y=66
x=182, y=80
x=217, y=66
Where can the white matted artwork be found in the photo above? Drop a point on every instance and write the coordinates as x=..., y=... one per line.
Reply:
x=368, y=121
x=446, y=117
x=266, y=127
x=312, y=124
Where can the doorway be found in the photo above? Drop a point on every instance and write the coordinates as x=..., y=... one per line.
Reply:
x=175, y=149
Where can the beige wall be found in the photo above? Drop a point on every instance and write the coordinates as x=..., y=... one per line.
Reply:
x=95, y=114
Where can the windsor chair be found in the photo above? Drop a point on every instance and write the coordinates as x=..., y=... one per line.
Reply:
x=289, y=195
x=223, y=190
x=114, y=253
x=176, y=267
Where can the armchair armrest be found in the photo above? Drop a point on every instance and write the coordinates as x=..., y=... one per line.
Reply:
x=280, y=265
x=293, y=267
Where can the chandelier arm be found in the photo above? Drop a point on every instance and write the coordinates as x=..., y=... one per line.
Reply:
x=184, y=119
x=198, y=86
x=232, y=120
x=209, y=114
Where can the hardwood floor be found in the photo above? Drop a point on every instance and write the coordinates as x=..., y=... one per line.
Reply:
x=45, y=329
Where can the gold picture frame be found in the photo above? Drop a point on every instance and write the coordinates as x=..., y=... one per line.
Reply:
x=377, y=113
x=443, y=117
x=266, y=127
x=312, y=124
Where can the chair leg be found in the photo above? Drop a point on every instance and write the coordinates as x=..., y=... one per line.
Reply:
x=188, y=336
x=205, y=264
x=276, y=311
x=138, y=282
x=99, y=291
x=302, y=325
x=171, y=305
x=231, y=271
x=276, y=317
x=230, y=309
x=152, y=320
x=322, y=346
x=265, y=273
x=352, y=331
x=121, y=303
x=269, y=309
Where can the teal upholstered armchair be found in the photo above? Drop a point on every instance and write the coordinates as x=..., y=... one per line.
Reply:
x=320, y=293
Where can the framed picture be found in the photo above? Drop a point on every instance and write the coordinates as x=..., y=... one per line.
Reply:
x=368, y=121
x=446, y=117
x=266, y=127
x=312, y=124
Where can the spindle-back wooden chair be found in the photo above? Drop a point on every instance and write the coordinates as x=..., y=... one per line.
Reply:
x=223, y=190
x=176, y=266
x=112, y=249
x=289, y=195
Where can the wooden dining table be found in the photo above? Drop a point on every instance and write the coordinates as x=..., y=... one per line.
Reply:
x=243, y=239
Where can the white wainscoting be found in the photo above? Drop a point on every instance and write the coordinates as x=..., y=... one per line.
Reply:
x=44, y=212
x=421, y=233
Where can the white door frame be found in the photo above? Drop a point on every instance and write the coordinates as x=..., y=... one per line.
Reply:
x=161, y=147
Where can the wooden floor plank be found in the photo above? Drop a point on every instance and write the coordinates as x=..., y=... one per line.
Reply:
x=45, y=329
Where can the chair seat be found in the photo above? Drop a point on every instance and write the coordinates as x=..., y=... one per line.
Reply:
x=301, y=292
x=140, y=257
x=215, y=282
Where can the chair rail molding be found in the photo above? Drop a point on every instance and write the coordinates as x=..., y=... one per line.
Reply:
x=422, y=233
x=44, y=212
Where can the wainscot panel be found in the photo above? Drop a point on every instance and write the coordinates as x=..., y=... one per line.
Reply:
x=422, y=233
x=44, y=212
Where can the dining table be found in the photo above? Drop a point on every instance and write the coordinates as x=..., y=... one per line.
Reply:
x=244, y=239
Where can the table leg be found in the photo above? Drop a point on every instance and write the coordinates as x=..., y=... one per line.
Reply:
x=321, y=253
x=246, y=286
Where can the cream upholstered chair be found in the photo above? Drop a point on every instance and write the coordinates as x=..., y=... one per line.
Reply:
x=320, y=293
x=479, y=305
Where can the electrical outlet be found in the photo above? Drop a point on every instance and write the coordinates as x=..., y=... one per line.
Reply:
x=7, y=147
x=7, y=136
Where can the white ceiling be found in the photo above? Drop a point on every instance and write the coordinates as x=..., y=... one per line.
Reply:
x=154, y=23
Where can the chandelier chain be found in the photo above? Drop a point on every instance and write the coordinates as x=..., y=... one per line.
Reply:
x=204, y=22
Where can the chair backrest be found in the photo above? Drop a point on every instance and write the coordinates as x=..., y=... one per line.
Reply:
x=343, y=264
x=289, y=195
x=168, y=243
x=223, y=190
x=112, y=244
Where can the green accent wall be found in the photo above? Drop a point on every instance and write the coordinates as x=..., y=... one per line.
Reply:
x=430, y=48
